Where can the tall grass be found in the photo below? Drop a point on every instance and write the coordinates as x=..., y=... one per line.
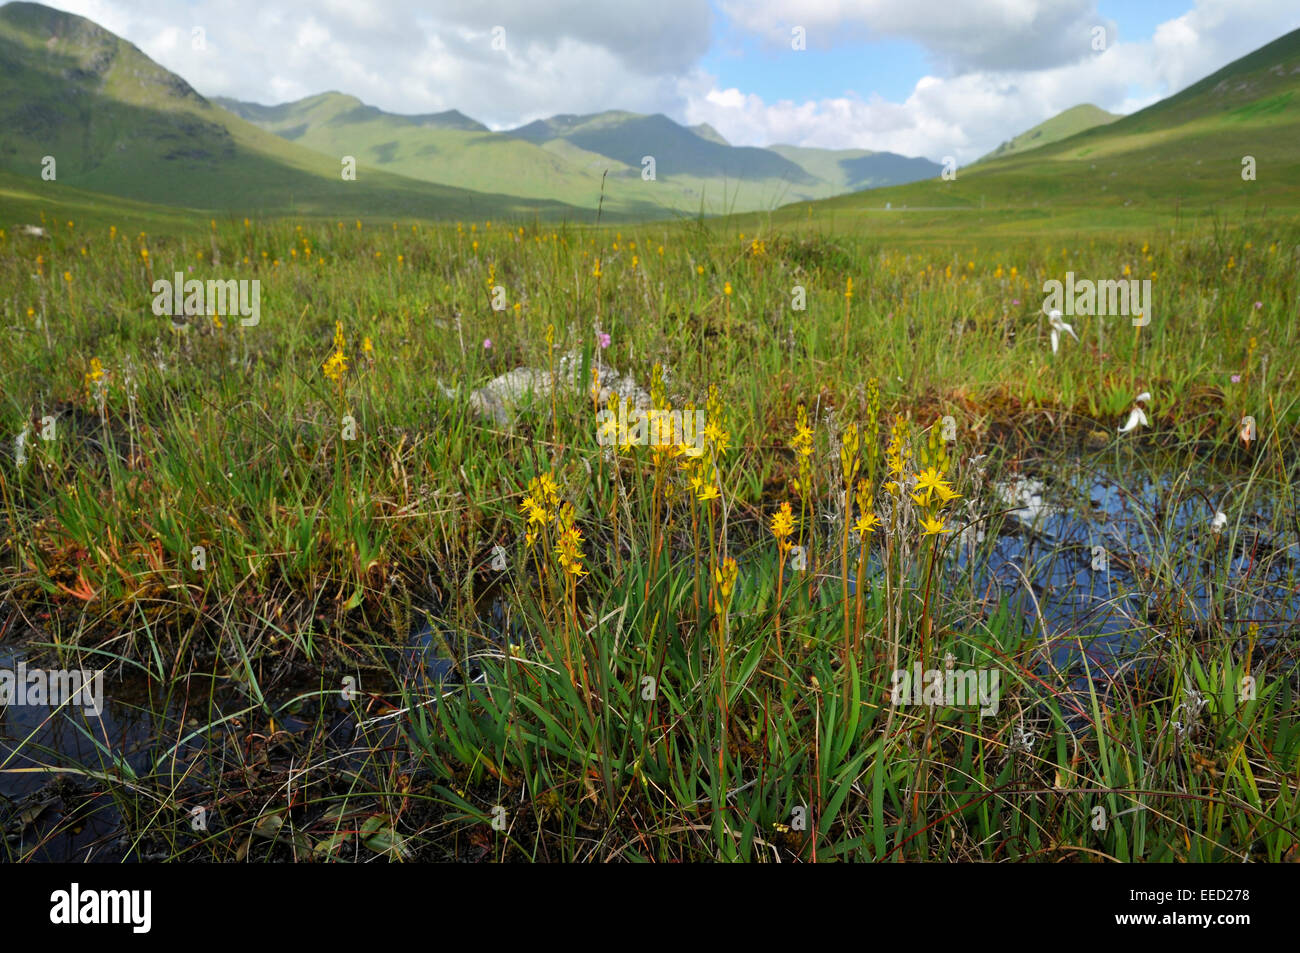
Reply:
x=678, y=688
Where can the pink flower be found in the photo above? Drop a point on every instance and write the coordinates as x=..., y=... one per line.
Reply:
x=1015, y=301
x=1236, y=378
x=1258, y=305
x=604, y=339
x=487, y=343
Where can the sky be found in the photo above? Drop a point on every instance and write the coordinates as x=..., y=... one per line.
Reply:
x=935, y=79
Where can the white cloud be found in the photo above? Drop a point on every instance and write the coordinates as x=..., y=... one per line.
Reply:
x=960, y=36
x=969, y=113
x=998, y=66
x=558, y=56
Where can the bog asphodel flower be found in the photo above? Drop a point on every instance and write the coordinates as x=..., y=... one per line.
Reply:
x=725, y=577
x=933, y=526
x=95, y=376
x=928, y=482
x=849, y=446
x=705, y=483
x=568, y=546
x=782, y=526
x=867, y=521
x=337, y=364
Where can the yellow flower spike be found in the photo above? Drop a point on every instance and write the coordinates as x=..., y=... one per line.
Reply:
x=850, y=443
x=933, y=526
x=782, y=526
x=725, y=577
x=336, y=366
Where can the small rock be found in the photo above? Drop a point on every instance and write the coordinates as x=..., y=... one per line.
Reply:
x=498, y=397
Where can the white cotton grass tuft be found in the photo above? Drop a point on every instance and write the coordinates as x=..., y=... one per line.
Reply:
x=1137, y=417
x=1059, y=327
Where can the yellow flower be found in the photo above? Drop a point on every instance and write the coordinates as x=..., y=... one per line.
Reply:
x=867, y=523
x=726, y=288
x=336, y=366
x=705, y=489
x=946, y=494
x=568, y=549
x=849, y=446
x=928, y=483
x=725, y=577
x=782, y=526
x=801, y=442
x=933, y=526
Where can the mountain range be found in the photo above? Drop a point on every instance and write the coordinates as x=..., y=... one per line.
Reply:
x=130, y=136
x=566, y=157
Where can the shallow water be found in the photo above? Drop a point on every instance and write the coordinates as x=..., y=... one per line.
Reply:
x=1105, y=545
x=55, y=760
x=1043, y=565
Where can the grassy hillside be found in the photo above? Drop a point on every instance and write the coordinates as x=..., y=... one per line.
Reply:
x=570, y=158
x=118, y=123
x=851, y=170
x=564, y=158
x=448, y=149
x=1180, y=157
x=1073, y=121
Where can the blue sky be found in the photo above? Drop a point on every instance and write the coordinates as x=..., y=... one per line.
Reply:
x=888, y=67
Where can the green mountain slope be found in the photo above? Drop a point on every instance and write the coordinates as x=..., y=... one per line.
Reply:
x=564, y=158
x=116, y=122
x=1183, y=155
x=628, y=137
x=571, y=158
x=446, y=148
x=1074, y=120
x=851, y=170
